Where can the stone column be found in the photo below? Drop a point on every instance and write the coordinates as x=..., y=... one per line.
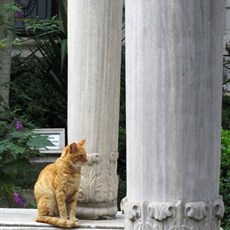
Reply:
x=5, y=59
x=174, y=81
x=94, y=46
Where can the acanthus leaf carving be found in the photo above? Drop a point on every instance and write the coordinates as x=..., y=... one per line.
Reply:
x=219, y=208
x=93, y=158
x=99, y=183
x=174, y=228
x=111, y=176
x=134, y=212
x=176, y=215
x=131, y=209
x=123, y=204
x=113, y=157
x=161, y=210
x=196, y=210
x=155, y=227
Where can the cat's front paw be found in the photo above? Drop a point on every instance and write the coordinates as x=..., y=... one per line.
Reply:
x=63, y=217
x=74, y=219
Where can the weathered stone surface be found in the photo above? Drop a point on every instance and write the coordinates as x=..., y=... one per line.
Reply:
x=21, y=219
x=174, y=91
x=93, y=104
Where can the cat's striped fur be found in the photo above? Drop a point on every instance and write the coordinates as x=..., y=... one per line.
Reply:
x=57, y=187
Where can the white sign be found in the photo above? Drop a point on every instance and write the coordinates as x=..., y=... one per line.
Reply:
x=55, y=140
x=56, y=136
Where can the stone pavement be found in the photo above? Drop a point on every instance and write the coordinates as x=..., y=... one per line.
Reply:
x=23, y=219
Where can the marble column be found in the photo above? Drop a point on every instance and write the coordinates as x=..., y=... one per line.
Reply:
x=174, y=82
x=94, y=47
x=5, y=58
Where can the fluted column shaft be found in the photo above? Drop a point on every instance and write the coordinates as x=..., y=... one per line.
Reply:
x=93, y=99
x=173, y=98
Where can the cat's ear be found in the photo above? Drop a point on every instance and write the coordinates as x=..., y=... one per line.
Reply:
x=82, y=142
x=73, y=148
x=64, y=152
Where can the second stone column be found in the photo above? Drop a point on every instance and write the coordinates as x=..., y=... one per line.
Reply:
x=173, y=101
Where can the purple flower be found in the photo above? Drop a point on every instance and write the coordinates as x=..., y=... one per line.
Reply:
x=18, y=200
x=18, y=125
x=20, y=14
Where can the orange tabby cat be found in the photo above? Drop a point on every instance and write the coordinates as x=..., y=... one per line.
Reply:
x=57, y=187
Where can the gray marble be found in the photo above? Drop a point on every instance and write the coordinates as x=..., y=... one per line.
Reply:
x=173, y=98
x=94, y=41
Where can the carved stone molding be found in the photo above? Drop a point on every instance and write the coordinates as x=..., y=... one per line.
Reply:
x=178, y=215
x=93, y=158
x=161, y=210
x=99, y=185
x=219, y=208
x=196, y=210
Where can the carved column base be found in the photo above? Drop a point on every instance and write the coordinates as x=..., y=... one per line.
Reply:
x=97, y=197
x=178, y=215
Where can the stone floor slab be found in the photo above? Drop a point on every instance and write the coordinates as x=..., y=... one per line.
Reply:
x=23, y=219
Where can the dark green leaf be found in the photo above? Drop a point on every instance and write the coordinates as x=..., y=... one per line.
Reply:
x=10, y=169
x=39, y=141
x=63, y=15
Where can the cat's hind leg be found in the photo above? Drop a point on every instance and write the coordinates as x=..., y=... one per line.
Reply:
x=47, y=213
x=46, y=207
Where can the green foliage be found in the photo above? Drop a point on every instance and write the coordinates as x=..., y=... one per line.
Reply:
x=226, y=112
x=30, y=90
x=7, y=21
x=50, y=36
x=6, y=191
x=17, y=143
x=39, y=82
x=225, y=176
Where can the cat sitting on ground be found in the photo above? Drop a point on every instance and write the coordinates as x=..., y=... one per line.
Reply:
x=57, y=187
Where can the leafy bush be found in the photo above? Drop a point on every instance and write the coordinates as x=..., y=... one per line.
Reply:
x=30, y=90
x=226, y=112
x=7, y=21
x=39, y=82
x=225, y=176
x=50, y=37
x=17, y=144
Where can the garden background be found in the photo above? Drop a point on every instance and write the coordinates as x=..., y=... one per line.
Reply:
x=38, y=93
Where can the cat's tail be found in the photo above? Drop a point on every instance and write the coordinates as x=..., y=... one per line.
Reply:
x=58, y=222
